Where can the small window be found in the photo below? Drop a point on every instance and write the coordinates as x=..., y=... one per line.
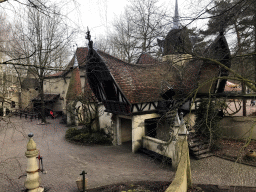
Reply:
x=150, y=127
x=13, y=104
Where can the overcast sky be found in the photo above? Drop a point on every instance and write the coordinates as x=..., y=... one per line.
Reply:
x=98, y=15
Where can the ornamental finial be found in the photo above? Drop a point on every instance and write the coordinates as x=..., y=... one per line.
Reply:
x=88, y=37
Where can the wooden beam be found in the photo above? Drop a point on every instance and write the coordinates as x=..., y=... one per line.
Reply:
x=144, y=106
x=226, y=95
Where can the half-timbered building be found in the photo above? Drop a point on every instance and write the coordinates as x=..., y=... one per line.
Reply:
x=140, y=94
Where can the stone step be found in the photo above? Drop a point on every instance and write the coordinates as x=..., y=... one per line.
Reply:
x=191, y=145
x=199, y=152
x=203, y=155
x=193, y=140
x=200, y=147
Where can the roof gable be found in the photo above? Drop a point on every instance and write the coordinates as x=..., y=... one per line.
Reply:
x=140, y=83
x=81, y=54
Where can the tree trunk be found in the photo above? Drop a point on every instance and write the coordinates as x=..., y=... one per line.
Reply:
x=19, y=100
x=243, y=90
x=42, y=102
x=97, y=116
x=244, y=100
x=254, y=25
x=242, y=65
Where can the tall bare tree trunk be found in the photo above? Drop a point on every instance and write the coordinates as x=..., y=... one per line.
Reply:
x=19, y=100
x=41, y=89
x=244, y=100
x=254, y=56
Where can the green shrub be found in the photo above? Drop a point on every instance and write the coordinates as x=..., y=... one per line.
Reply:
x=100, y=138
x=86, y=137
x=82, y=137
x=70, y=133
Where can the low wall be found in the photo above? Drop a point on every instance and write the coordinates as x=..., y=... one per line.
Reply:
x=138, y=129
x=182, y=180
x=159, y=146
x=238, y=127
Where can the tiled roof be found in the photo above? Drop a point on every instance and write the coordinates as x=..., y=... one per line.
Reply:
x=145, y=58
x=81, y=54
x=189, y=78
x=144, y=82
x=47, y=97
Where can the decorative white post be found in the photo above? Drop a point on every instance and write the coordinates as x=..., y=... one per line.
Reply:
x=33, y=181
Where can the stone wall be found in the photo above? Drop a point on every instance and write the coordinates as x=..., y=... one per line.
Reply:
x=238, y=127
x=26, y=97
x=138, y=129
x=57, y=86
x=104, y=118
x=158, y=146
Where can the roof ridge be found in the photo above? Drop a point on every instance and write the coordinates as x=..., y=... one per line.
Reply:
x=100, y=51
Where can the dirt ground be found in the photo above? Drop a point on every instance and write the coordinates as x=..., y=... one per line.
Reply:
x=105, y=165
x=235, y=150
x=147, y=186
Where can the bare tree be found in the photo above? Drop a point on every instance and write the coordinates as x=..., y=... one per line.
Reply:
x=123, y=38
x=138, y=28
x=149, y=20
x=40, y=44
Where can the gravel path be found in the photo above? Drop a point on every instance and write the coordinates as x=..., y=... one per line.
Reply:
x=217, y=171
x=64, y=161
x=105, y=165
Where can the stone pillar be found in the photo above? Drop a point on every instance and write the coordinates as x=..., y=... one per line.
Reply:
x=4, y=111
x=118, y=131
x=33, y=180
x=183, y=128
x=116, y=127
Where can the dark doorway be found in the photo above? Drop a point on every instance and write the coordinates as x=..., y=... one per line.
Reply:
x=126, y=130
